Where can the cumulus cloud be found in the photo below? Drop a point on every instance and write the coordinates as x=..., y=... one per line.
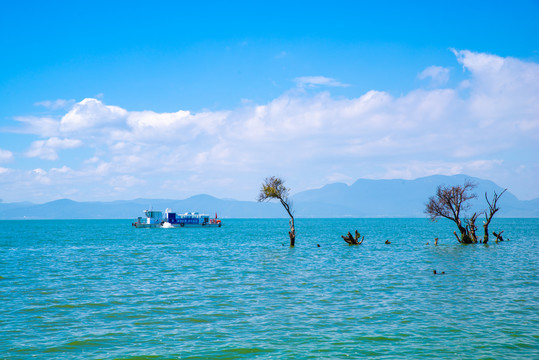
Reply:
x=90, y=114
x=310, y=138
x=47, y=149
x=314, y=81
x=172, y=126
x=503, y=91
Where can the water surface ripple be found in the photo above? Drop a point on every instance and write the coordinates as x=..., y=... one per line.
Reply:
x=100, y=289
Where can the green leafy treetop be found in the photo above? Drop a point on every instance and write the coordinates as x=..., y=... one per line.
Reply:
x=273, y=188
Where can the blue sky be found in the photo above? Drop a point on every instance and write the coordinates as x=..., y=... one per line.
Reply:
x=117, y=100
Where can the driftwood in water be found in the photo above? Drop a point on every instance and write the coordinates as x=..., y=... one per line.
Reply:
x=498, y=236
x=353, y=240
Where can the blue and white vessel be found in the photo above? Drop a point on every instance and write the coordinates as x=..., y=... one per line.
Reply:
x=169, y=219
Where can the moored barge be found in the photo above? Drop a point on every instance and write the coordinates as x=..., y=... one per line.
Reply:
x=169, y=219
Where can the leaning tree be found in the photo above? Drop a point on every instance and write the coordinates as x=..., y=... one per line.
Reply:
x=273, y=188
x=451, y=202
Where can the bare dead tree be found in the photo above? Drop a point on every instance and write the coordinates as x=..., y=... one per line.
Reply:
x=450, y=202
x=492, y=209
x=273, y=188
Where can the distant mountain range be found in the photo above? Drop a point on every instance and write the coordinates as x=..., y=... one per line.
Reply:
x=401, y=198
x=364, y=198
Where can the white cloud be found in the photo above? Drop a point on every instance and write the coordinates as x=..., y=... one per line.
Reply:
x=503, y=91
x=63, y=170
x=40, y=176
x=4, y=171
x=5, y=155
x=91, y=113
x=47, y=149
x=438, y=75
x=39, y=171
x=479, y=63
x=125, y=182
x=413, y=169
x=92, y=160
x=478, y=128
x=313, y=81
x=181, y=125
x=42, y=126
x=55, y=104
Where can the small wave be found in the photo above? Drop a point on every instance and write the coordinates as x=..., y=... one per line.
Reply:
x=76, y=344
x=77, y=306
x=246, y=351
x=377, y=338
x=194, y=320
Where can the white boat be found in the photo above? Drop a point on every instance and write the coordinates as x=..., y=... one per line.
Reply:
x=169, y=219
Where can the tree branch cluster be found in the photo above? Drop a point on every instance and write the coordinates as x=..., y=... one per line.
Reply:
x=450, y=202
x=353, y=240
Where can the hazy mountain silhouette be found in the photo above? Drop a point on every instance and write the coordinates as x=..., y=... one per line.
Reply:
x=401, y=198
x=364, y=198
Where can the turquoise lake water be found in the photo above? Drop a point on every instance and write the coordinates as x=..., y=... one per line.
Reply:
x=100, y=289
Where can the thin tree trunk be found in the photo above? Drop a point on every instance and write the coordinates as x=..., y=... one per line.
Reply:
x=464, y=236
x=292, y=232
x=485, y=237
